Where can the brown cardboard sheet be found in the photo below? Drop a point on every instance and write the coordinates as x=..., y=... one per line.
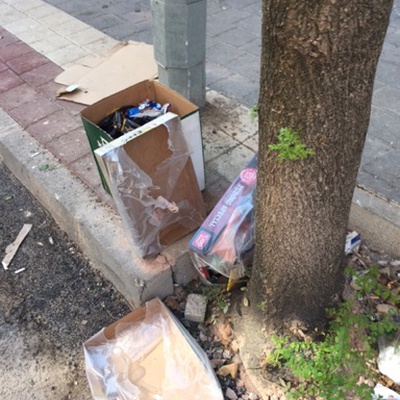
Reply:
x=127, y=64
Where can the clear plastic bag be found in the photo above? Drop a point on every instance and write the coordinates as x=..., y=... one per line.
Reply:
x=224, y=242
x=149, y=355
x=155, y=189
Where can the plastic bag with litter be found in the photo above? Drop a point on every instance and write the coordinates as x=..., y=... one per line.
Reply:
x=224, y=242
x=153, y=184
x=148, y=355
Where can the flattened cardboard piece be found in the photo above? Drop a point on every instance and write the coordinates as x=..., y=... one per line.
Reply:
x=145, y=176
x=187, y=111
x=127, y=64
x=163, y=360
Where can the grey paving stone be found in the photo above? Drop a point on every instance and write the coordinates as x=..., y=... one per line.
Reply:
x=240, y=4
x=142, y=36
x=254, y=47
x=104, y=21
x=251, y=24
x=379, y=185
x=387, y=98
x=236, y=36
x=388, y=72
x=237, y=86
x=374, y=149
x=251, y=99
x=384, y=163
x=385, y=125
x=223, y=53
x=122, y=30
x=247, y=65
x=225, y=20
x=254, y=8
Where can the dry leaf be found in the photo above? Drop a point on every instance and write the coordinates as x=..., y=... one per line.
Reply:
x=230, y=369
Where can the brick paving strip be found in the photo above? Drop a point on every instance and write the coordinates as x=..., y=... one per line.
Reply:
x=28, y=95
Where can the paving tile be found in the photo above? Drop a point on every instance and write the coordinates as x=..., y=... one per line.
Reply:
x=41, y=75
x=33, y=35
x=104, y=21
x=7, y=38
x=232, y=162
x=384, y=125
x=14, y=50
x=86, y=36
x=252, y=143
x=17, y=96
x=236, y=86
x=26, y=62
x=41, y=11
x=49, y=89
x=67, y=55
x=223, y=53
x=3, y=66
x=55, y=19
x=103, y=46
x=22, y=24
x=236, y=37
x=388, y=72
x=248, y=65
x=86, y=169
x=379, y=185
x=70, y=27
x=26, y=4
x=9, y=15
x=216, y=142
x=70, y=146
x=388, y=98
x=52, y=126
x=71, y=107
x=29, y=113
x=225, y=20
x=8, y=80
x=50, y=43
x=384, y=164
x=240, y=124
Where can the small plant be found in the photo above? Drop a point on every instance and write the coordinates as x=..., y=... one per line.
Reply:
x=289, y=146
x=262, y=306
x=331, y=366
x=219, y=297
x=253, y=112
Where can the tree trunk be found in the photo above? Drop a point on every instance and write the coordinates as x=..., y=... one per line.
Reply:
x=318, y=65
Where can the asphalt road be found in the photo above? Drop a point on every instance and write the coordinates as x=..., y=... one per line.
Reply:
x=50, y=308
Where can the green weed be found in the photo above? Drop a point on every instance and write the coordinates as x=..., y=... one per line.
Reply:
x=330, y=367
x=289, y=146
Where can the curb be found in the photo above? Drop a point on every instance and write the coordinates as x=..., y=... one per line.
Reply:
x=95, y=228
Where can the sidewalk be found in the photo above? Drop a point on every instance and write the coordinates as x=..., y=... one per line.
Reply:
x=43, y=143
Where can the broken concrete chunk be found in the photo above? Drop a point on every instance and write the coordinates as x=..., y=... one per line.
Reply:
x=230, y=394
x=196, y=306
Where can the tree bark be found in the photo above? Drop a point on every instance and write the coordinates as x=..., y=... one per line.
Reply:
x=318, y=65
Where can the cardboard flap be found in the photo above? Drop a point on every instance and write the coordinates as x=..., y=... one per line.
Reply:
x=127, y=64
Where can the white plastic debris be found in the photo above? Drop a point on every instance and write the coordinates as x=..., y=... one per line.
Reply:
x=389, y=358
x=12, y=248
x=353, y=241
x=382, y=392
x=19, y=270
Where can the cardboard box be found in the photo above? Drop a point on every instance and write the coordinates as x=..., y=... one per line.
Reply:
x=148, y=355
x=151, y=177
x=148, y=89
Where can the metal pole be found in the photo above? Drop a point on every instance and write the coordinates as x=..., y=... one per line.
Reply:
x=179, y=32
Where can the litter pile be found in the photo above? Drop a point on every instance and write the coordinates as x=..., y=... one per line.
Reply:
x=128, y=118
